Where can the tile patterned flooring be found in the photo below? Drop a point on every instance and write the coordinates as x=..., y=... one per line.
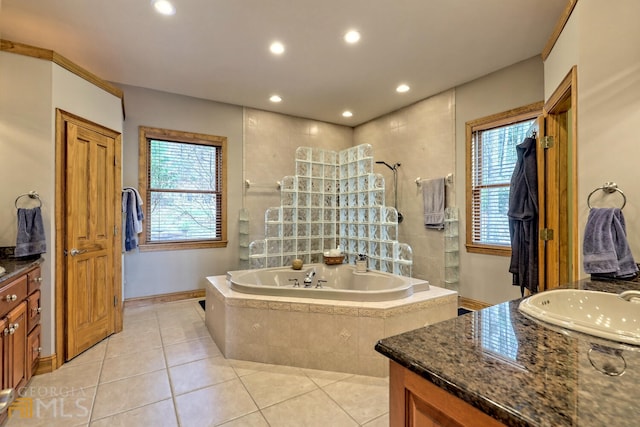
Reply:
x=165, y=370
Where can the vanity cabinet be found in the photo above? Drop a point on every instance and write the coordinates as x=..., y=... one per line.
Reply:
x=20, y=328
x=414, y=401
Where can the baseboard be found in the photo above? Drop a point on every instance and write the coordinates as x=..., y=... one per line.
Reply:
x=472, y=304
x=46, y=364
x=158, y=299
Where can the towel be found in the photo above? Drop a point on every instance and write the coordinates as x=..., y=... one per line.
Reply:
x=129, y=208
x=137, y=209
x=31, y=239
x=433, y=194
x=605, y=247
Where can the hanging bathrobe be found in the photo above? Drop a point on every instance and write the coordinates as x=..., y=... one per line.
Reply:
x=523, y=218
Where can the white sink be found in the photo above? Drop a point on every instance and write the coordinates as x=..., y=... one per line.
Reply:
x=601, y=314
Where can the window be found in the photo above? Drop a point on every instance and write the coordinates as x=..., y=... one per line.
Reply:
x=183, y=185
x=491, y=158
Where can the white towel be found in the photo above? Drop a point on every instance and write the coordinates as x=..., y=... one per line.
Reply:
x=433, y=193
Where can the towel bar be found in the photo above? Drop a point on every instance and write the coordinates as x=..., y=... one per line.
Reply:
x=608, y=187
x=448, y=180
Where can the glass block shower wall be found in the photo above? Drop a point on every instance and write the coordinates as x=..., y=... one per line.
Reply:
x=334, y=199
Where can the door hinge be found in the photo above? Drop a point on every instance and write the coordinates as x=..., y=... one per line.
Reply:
x=546, y=234
x=115, y=230
x=547, y=141
x=115, y=301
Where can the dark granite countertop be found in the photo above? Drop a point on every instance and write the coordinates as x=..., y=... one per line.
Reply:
x=523, y=373
x=17, y=266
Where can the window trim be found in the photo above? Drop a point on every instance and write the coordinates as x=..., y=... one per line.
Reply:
x=145, y=135
x=504, y=118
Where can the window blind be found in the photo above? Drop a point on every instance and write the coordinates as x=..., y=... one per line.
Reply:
x=493, y=159
x=185, y=191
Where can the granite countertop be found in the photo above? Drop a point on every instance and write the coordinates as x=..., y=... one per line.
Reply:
x=16, y=266
x=523, y=373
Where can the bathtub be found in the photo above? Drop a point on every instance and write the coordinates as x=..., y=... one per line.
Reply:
x=334, y=282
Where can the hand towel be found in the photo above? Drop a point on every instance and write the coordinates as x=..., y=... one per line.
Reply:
x=433, y=194
x=605, y=247
x=31, y=239
x=130, y=217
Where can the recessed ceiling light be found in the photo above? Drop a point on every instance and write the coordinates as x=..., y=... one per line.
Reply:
x=164, y=7
x=275, y=98
x=276, y=48
x=352, y=36
x=347, y=114
x=403, y=88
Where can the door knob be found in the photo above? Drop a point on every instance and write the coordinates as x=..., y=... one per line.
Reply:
x=75, y=251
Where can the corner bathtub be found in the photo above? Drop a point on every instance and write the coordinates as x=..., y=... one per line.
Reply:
x=342, y=283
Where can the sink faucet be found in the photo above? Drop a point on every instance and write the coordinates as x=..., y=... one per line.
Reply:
x=630, y=295
x=308, y=279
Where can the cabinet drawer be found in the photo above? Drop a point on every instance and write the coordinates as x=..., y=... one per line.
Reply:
x=33, y=351
x=34, y=278
x=13, y=294
x=33, y=310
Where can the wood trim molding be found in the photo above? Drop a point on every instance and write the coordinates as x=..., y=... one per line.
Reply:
x=562, y=21
x=472, y=304
x=162, y=298
x=56, y=58
x=46, y=364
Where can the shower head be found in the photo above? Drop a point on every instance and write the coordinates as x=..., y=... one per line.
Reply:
x=393, y=168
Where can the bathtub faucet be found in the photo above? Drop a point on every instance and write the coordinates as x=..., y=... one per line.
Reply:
x=309, y=278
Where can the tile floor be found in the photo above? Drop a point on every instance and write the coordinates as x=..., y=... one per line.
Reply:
x=165, y=370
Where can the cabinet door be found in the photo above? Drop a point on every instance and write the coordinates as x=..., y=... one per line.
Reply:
x=17, y=346
x=33, y=351
x=4, y=331
x=34, y=278
x=33, y=307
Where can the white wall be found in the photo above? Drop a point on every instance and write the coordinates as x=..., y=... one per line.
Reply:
x=603, y=42
x=486, y=277
x=154, y=273
x=31, y=91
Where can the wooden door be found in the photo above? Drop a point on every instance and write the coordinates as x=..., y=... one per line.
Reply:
x=90, y=240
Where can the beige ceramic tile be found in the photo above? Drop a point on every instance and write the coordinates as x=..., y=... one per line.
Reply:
x=199, y=374
x=323, y=378
x=125, y=366
x=93, y=354
x=268, y=388
x=254, y=419
x=184, y=332
x=156, y=414
x=189, y=351
x=120, y=345
x=382, y=421
x=69, y=377
x=214, y=405
x=364, y=398
x=309, y=410
x=129, y=393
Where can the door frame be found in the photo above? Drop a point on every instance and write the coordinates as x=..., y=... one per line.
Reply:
x=63, y=117
x=563, y=221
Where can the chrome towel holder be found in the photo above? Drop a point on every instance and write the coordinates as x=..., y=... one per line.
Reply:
x=608, y=187
x=32, y=195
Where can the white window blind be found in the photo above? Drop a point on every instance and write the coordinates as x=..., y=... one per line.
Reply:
x=185, y=191
x=493, y=158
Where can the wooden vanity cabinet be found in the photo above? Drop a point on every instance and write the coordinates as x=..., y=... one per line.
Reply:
x=20, y=328
x=414, y=401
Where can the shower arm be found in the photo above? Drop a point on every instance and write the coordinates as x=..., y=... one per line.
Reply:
x=394, y=168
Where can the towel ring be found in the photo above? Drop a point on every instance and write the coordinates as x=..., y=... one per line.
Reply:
x=608, y=187
x=32, y=195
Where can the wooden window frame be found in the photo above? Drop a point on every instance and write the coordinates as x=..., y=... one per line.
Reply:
x=504, y=118
x=145, y=135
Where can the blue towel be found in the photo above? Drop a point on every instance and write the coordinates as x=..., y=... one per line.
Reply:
x=605, y=247
x=31, y=239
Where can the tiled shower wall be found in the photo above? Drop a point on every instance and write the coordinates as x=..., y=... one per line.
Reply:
x=334, y=199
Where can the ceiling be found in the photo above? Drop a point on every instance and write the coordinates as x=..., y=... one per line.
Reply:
x=219, y=50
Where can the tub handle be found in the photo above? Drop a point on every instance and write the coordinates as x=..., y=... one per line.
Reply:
x=296, y=283
x=319, y=283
